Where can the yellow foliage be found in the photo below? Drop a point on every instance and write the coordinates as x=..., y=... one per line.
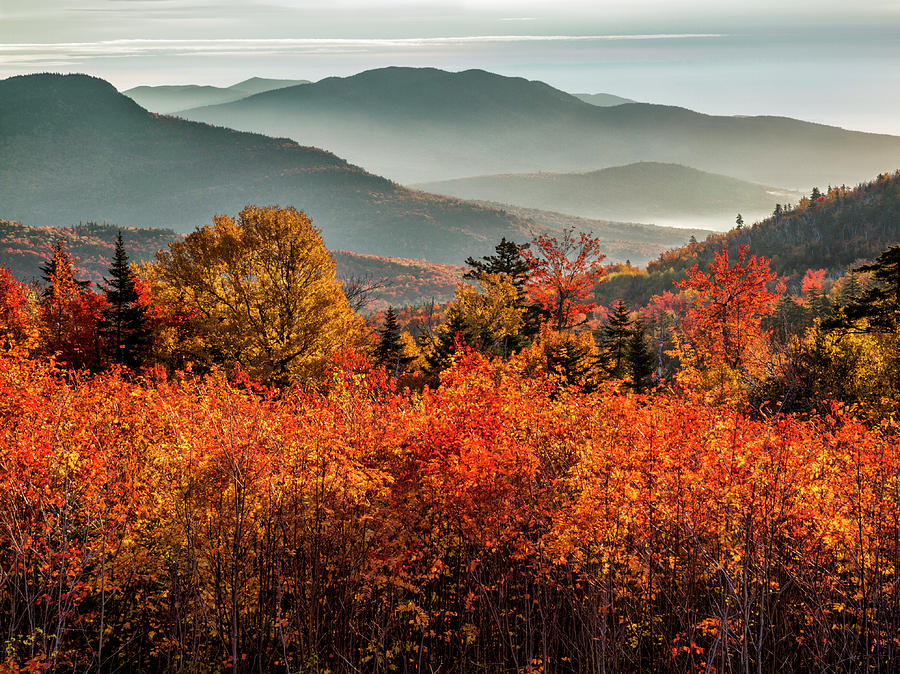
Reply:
x=265, y=294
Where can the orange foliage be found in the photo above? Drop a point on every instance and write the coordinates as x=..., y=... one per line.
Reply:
x=499, y=522
x=563, y=276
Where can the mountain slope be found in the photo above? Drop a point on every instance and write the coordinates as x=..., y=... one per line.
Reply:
x=838, y=231
x=603, y=100
x=643, y=192
x=23, y=249
x=166, y=99
x=74, y=148
x=418, y=125
x=619, y=241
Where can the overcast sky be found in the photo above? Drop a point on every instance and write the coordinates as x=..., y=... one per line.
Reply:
x=827, y=61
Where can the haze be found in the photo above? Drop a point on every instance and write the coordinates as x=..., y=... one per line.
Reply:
x=829, y=62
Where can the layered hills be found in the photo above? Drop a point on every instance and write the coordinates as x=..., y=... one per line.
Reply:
x=643, y=192
x=170, y=98
x=74, y=148
x=425, y=124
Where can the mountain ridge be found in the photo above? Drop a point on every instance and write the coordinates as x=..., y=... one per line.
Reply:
x=422, y=125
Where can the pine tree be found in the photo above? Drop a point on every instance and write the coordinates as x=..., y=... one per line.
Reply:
x=124, y=323
x=571, y=361
x=613, y=340
x=454, y=333
x=639, y=358
x=389, y=351
x=739, y=221
x=878, y=304
x=508, y=261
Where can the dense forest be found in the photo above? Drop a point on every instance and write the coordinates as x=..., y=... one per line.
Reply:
x=212, y=462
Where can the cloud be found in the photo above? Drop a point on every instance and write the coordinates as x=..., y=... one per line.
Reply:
x=124, y=48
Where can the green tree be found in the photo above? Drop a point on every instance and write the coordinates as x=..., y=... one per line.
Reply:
x=390, y=352
x=639, y=358
x=124, y=322
x=613, y=340
x=438, y=348
x=877, y=307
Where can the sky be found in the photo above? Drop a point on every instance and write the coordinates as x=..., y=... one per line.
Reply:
x=824, y=61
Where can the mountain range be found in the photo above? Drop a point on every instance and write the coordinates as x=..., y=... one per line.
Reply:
x=171, y=98
x=424, y=124
x=74, y=149
x=644, y=192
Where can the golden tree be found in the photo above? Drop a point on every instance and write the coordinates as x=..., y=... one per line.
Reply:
x=265, y=294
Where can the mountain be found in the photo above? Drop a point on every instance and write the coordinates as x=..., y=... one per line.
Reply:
x=166, y=99
x=75, y=148
x=643, y=192
x=23, y=249
x=839, y=230
x=620, y=241
x=418, y=125
x=603, y=100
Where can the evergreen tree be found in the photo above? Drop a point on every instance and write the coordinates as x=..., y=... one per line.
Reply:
x=389, y=351
x=440, y=347
x=815, y=195
x=739, y=221
x=508, y=261
x=639, y=358
x=879, y=304
x=124, y=323
x=613, y=338
x=571, y=361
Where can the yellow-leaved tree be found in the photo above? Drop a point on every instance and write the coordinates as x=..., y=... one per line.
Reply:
x=263, y=293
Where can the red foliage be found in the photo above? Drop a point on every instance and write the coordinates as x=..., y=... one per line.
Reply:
x=724, y=321
x=564, y=273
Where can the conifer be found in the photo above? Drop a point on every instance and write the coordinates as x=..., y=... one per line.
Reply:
x=124, y=323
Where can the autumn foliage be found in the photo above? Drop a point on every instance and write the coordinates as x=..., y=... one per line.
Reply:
x=521, y=513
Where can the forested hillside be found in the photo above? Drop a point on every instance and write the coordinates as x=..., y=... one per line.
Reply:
x=398, y=281
x=74, y=149
x=841, y=227
x=640, y=192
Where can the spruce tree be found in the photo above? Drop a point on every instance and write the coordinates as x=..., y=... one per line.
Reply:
x=507, y=261
x=124, y=323
x=389, y=351
x=878, y=304
x=571, y=361
x=613, y=338
x=639, y=359
x=452, y=334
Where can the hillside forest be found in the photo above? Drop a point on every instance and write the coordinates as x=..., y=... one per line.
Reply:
x=212, y=461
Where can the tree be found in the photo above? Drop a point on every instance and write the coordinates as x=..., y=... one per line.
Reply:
x=492, y=313
x=724, y=320
x=440, y=346
x=639, y=358
x=507, y=261
x=878, y=305
x=614, y=337
x=264, y=288
x=739, y=221
x=564, y=273
x=124, y=323
x=70, y=312
x=390, y=351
